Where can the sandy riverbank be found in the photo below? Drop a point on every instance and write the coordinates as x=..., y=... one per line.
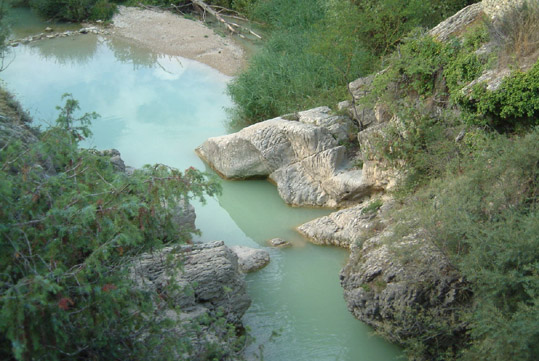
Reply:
x=167, y=33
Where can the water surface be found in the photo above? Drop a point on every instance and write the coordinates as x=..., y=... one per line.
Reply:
x=157, y=109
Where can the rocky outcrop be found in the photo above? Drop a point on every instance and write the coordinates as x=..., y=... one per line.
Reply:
x=210, y=289
x=113, y=156
x=209, y=278
x=458, y=22
x=399, y=285
x=300, y=153
x=495, y=9
x=251, y=259
x=342, y=228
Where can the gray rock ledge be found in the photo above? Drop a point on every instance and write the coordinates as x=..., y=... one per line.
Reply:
x=300, y=153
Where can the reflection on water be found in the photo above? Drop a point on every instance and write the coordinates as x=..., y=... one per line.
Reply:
x=157, y=109
x=24, y=22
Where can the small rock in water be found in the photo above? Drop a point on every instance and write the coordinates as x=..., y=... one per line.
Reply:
x=278, y=242
x=48, y=29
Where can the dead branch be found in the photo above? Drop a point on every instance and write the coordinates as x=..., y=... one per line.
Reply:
x=216, y=14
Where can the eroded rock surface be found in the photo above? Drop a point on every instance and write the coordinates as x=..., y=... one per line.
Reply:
x=210, y=285
x=341, y=228
x=210, y=278
x=391, y=283
x=458, y=22
x=251, y=259
x=302, y=156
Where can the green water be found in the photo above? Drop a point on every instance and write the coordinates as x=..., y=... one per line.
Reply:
x=157, y=109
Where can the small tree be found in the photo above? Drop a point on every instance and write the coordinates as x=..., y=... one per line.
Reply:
x=69, y=226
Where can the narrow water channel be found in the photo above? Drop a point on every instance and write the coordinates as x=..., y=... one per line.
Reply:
x=157, y=109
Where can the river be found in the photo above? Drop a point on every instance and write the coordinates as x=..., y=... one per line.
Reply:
x=157, y=109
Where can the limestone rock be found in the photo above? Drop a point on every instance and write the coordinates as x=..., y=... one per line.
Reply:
x=251, y=259
x=383, y=283
x=341, y=228
x=210, y=283
x=458, y=22
x=495, y=9
x=209, y=278
x=300, y=154
x=115, y=158
x=185, y=215
x=339, y=126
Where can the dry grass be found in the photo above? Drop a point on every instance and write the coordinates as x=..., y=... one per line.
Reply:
x=517, y=34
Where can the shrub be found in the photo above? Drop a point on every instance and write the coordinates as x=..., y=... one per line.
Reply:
x=318, y=47
x=515, y=103
x=69, y=225
x=74, y=10
x=484, y=217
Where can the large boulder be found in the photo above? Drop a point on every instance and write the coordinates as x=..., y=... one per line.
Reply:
x=209, y=278
x=300, y=153
x=342, y=228
x=399, y=286
x=406, y=289
x=211, y=293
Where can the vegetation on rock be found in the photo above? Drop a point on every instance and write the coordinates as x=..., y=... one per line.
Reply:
x=470, y=165
x=70, y=224
x=317, y=47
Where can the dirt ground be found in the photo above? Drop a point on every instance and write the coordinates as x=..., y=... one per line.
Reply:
x=171, y=34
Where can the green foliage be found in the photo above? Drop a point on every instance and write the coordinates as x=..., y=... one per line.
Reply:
x=514, y=103
x=318, y=47
x=483, y=215
x=74, y=10
x=373, y=207
x=69, y=226
x=424, y=67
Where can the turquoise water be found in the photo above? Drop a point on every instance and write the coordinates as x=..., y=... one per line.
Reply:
x=157, y=109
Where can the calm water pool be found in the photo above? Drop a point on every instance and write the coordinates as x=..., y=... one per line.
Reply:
x=157, y=109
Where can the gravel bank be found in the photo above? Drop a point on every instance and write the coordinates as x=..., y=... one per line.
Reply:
x=168, y=33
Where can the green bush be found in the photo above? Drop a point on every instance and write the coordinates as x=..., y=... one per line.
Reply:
x=483, y=215
x=69, y=226
x=318, y=47
x=515, y=102
x=74, y=10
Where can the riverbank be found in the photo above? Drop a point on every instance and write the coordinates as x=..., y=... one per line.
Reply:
x=171, y=34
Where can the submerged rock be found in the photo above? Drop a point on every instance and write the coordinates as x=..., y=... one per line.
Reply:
x=278, y=242
x=300, y=154
x=251, y=259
